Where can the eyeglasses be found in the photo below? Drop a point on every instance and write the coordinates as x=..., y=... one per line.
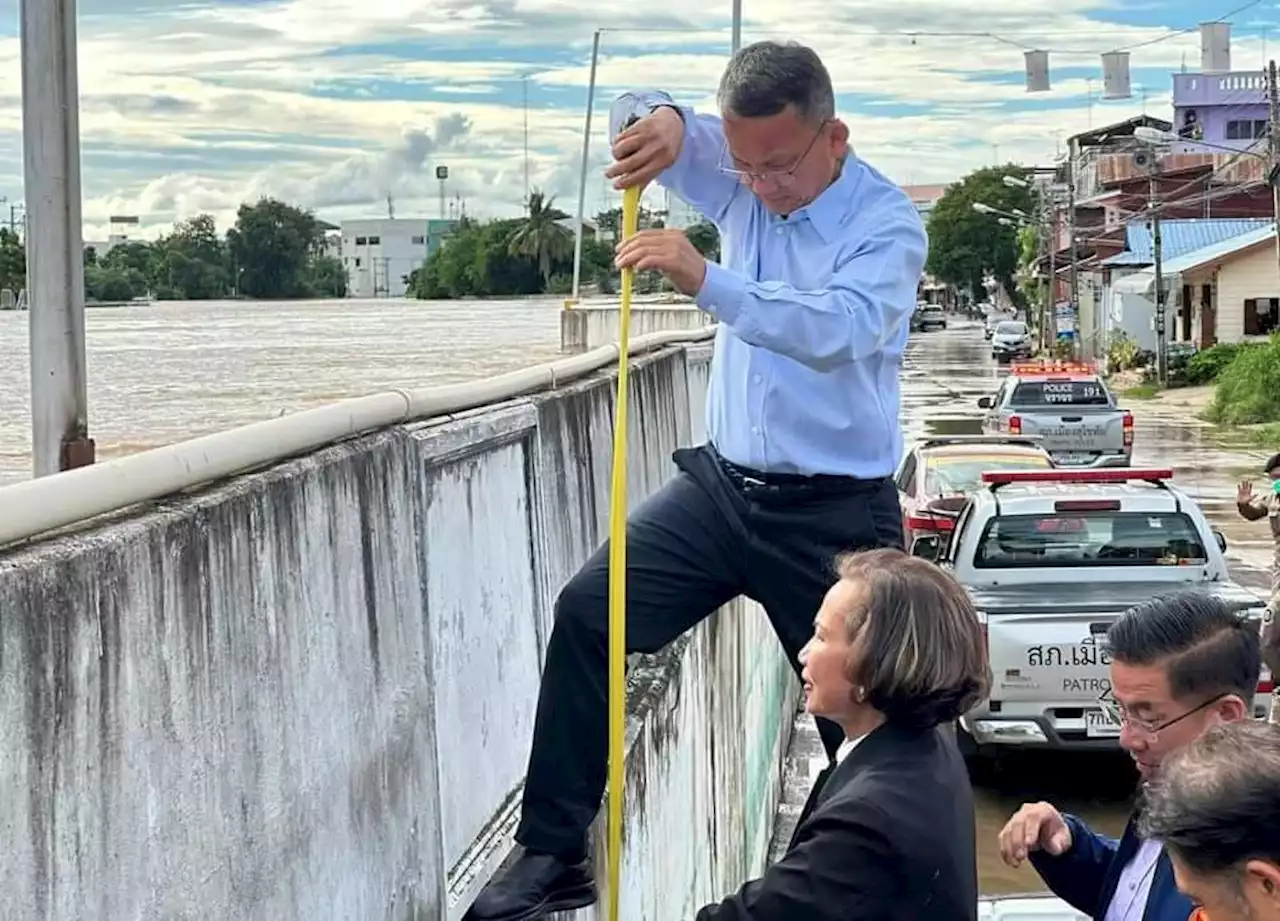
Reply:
x=777, y=177
x=1146, y=727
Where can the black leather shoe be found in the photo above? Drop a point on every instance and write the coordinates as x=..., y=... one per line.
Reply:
x=536, y=885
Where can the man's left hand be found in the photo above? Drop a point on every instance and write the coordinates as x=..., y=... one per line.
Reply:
x=667, y=251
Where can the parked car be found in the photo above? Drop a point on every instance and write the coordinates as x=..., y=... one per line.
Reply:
x=937, y=475
x=927, y=317
x=1068, y=406
x=1010, y=340
x=1051, y=558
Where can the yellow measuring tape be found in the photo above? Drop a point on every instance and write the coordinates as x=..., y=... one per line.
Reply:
x=618, y=569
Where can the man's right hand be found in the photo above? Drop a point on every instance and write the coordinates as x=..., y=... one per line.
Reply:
x=1034, y=827
x=647, y=148
x=1244, y=493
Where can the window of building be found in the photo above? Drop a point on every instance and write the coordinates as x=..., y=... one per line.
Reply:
x=374, y=241
x=419, y=241
x=1245, y=129
x=1261, y=316
x=360, y=241
x=357, y=262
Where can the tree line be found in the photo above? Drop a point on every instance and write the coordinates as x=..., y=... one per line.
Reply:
x=533, y=254
x=273, y=251
x=966, y=246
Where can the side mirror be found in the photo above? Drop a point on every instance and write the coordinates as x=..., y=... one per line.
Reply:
x=984, y=403
x=929, y=547
x=1221, y=540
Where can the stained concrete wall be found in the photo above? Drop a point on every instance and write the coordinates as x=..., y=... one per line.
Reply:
x=589, y=326
x=309, y=692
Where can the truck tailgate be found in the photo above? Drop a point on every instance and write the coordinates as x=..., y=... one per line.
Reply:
x=1083, y=431
x=1047, y=643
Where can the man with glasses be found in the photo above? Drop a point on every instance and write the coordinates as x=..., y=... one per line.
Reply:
x=822, y=258
x=1180, y=664
x=1216, y=809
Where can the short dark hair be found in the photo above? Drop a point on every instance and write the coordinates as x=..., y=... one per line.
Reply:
x=921, y=657
x=1206, y=647
x=1216, y=802
x=764, y=78
x=1272, y=463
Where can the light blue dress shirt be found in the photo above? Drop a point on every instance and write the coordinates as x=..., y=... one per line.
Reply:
x=813, y=308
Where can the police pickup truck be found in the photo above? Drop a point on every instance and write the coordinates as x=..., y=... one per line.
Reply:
x=1051, y=558
x=1068, y=407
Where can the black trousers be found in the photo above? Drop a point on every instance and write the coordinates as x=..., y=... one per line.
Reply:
x=706, y=537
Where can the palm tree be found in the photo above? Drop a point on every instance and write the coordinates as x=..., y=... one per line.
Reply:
x=540, y=237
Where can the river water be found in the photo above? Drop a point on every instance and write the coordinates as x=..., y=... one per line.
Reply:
x=173, y=370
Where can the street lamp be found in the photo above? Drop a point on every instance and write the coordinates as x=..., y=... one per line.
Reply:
x=1014, y=182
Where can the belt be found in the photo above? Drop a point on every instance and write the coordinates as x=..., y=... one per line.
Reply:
x=745, y=478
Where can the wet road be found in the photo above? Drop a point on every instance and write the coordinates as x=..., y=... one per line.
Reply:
x=944, y=375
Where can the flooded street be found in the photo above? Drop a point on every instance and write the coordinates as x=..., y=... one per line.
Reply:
x=173, y=370
x=946, y=373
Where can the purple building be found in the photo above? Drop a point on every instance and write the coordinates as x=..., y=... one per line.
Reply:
x=1225, y=109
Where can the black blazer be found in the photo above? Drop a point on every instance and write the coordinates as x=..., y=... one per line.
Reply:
x=887, y=835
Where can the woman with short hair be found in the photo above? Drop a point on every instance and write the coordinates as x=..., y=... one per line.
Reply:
x=897, y=655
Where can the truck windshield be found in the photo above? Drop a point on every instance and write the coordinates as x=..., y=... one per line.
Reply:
x=1090, y=539
x=1086, y=392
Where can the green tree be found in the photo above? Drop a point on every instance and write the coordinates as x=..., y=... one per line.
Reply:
x=272, y=246
x=326, y=277
x=192, y=263
x=540, y=237
x=705, y=239
x=964, y=245
x=13, y=261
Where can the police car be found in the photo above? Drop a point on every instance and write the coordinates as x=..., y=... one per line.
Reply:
x=1051, y=559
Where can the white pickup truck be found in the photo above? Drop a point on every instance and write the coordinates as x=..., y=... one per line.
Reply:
x=1051, y=559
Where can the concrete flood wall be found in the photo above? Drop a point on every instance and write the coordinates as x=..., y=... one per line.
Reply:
x=308, y=692
x=589, y=326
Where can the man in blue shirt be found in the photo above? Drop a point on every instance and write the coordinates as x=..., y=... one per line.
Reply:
x=823, y=258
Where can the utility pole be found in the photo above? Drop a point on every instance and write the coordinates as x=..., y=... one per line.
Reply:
x=54, y=236
x=737, y=26
x=1049, y=328
x=1162, y=348
x=525, y=81
x=1077, y=345
x=1273, y=138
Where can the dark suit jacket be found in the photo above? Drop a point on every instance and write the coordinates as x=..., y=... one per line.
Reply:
x=1087, y=875
x=888, y=837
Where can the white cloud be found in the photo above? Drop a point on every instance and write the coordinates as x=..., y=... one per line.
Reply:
x=202, y=106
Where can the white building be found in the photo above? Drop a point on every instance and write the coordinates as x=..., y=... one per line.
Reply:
x=379, y=254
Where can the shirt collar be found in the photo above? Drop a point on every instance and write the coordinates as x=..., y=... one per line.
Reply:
x=847, y=746
x=827, y=212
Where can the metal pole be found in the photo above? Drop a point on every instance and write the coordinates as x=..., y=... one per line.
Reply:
x=54, y=237
x=1077, y=345
x=525, y=81
x=582, y=175
x=1049, y=328
x=1162, y=350
x=737, y=26
x=1273, y=137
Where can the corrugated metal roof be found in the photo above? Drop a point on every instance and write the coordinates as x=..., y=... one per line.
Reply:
x=1180, y=237
x=1143, y=282
x=1218, y=250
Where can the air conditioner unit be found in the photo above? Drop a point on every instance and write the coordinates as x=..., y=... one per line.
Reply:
x=1143, y=160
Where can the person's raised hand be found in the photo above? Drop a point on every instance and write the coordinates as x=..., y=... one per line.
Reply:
x=1034, y=827
x=647, y=148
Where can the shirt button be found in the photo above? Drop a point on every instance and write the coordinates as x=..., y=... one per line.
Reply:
x=780, y=231
x=755, y=430
x=757, y=378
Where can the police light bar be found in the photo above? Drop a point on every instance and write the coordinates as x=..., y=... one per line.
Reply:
x=1049, y=366
x=1060, y=475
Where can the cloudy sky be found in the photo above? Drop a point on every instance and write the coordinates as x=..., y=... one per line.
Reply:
x=192, y=106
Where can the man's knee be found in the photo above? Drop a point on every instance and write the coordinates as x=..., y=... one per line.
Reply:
x=583, y=602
